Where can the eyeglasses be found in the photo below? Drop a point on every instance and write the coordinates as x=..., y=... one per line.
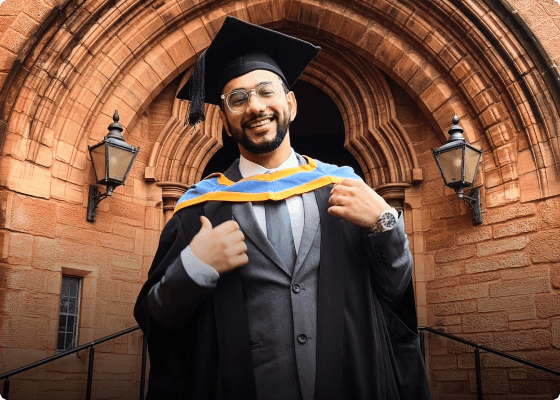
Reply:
x=268, y=94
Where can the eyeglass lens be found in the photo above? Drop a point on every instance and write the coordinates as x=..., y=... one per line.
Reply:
x=238, y=101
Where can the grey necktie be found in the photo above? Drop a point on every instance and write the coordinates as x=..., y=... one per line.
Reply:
x=279, y=231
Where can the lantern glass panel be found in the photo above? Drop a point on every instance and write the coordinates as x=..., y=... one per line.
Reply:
x=98, y=159
x=450, y=163
x=472, y=157
x=119, y=162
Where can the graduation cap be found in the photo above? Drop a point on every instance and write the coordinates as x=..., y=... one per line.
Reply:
x=239, y=48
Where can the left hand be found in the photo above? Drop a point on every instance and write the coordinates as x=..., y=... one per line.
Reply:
x=355, y=201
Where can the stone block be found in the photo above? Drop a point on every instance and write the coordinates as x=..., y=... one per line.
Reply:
x=490, y=360
x=508, y=213
x=446, y=321
x=116, y=242
x=545, y=246
x=20, y=332
x=530, y=187
x=18, y=246
x=455, y=254
x=526, y=325
x=480, y=338
x=108, y=290
x=518, y=287
x=527, y=387
x=510, y=260
x=548, y=305
x=448, y=361
x=479, y=278
x=450, y=270
x=514, y=341
x=505, y=303
x=531, y=271
x=502, y=195
x=25, y=217
x=549, y=214
x=501, y=246
x=493, y=381
x=22, y=279
x=522, y=314
x=464, y=307
x=474, y=235
x=75, y=234
x=485, y=322
x=515, y=228
x=457, y=293
x=517, y=374
x=449, y=375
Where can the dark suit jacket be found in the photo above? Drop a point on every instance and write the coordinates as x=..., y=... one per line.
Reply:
x=367, y=343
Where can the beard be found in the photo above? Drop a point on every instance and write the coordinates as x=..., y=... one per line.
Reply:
x=241, y=137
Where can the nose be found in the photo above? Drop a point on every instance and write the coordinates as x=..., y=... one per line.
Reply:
x=254, y=105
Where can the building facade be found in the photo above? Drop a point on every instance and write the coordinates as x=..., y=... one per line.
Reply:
x=397, y=70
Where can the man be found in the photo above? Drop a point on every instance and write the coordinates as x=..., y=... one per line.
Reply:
x=269, y=281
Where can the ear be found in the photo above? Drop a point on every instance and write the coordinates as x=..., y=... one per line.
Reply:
x=291, y=98
x=225, y=122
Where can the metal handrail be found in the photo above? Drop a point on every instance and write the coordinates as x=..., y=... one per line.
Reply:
x=6, y=376
x=478, y=347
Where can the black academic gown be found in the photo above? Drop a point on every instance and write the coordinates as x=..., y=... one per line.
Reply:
x=367, y=343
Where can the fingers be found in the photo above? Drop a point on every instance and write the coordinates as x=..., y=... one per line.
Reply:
x=206, y=224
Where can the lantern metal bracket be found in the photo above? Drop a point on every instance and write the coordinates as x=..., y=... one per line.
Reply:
x=94, y=198
x=474, y=202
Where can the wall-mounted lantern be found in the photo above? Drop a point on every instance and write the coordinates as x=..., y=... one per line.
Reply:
x=458, y=163
x=112, y=159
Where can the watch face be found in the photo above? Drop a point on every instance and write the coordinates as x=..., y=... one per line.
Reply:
x=387, y=220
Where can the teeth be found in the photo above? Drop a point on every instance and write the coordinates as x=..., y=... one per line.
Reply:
x=260, y=123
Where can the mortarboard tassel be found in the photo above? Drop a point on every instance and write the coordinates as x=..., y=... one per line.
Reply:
x=195, y=112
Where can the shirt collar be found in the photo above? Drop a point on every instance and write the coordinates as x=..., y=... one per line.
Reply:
x=249, y=168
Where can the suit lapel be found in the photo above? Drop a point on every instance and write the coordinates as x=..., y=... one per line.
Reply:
x=245, y=217
x=231, y=316
x=330, y=302
x=310, y=228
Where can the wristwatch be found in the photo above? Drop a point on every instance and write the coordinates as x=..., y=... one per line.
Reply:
x=387, y=221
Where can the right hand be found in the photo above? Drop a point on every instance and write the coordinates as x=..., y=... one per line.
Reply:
x=222, y=247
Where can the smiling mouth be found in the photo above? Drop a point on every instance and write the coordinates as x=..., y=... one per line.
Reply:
x=260, y=122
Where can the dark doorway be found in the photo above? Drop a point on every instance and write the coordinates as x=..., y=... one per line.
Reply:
x=317, y=132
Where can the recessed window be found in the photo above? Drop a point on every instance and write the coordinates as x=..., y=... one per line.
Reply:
x=69, y=313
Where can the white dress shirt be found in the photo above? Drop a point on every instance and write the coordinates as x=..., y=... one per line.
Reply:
x=202, y=273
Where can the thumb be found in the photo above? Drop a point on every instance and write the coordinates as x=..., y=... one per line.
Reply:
x=206, y=224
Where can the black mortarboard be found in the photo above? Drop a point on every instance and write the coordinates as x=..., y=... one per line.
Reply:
x=239, y=48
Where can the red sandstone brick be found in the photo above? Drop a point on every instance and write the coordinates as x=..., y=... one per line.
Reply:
x=518, y=287
x=457, y=293
x=18, y=248
x=506, y=303
x=532, y=271
x=466, y=361
x=549, y=214
x=545, y=246
x=510, y=260
x=446, y=321
x=80, y=235
x=475, y=235
x=515, y=228
x=479, y=278
x=480, y=338
x=535, y=324
x=455, y=254
x=528, y=387
x=484, y=99
x=493, y=381
x=455, y=308
x=513, y=341
x=522, y=314
x=548, y=305
x=485, y=322
x=502, y=195
x=116, y=242
x=449, y=375
x=501, y=246
x=450, y=270
x=517, y=374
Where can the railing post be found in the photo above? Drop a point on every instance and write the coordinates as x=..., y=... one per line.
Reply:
x=6, y=390
x=90, y=372
x=422, y=346
x=478, y=374
x=143, y=372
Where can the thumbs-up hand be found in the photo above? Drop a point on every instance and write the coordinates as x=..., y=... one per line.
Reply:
x=222, y=247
